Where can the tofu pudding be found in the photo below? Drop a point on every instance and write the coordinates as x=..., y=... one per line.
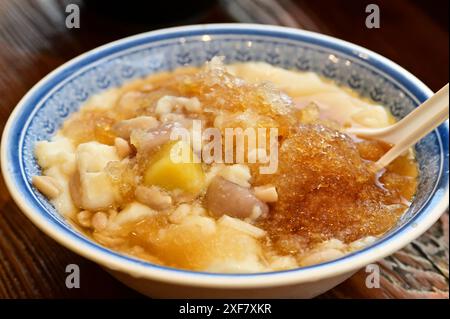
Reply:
x=110, y=170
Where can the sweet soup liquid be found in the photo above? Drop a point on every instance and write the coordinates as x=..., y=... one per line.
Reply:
x=326, y=189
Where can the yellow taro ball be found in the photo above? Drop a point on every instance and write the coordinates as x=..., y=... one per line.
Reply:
x=170, y=172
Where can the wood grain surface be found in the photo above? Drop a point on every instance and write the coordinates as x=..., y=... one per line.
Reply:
x=34, y=41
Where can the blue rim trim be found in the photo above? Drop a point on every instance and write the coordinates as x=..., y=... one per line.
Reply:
x=420, y=93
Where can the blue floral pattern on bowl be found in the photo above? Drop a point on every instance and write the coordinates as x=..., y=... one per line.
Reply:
x=62, y=93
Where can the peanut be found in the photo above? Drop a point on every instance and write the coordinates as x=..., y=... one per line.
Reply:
x=153, y=197
x=47, y=185
x=266, y=193
x=122, y=147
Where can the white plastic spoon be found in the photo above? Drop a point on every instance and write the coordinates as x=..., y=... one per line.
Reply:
x=410, y=129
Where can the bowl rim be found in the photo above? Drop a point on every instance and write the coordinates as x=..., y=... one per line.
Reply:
x=425, y=218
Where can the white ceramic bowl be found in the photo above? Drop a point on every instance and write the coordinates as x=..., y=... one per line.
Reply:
x=54, y=98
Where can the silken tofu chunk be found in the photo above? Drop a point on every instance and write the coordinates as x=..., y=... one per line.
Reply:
x=58, y=161
x=57, y=152
x=97, y=190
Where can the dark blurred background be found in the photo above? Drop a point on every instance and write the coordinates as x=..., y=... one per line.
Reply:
x=413, y=33
x=34, y=40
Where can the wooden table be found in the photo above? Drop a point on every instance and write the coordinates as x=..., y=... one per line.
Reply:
x=34, y=41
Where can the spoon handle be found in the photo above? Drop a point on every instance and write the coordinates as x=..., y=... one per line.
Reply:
x=415, y=125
